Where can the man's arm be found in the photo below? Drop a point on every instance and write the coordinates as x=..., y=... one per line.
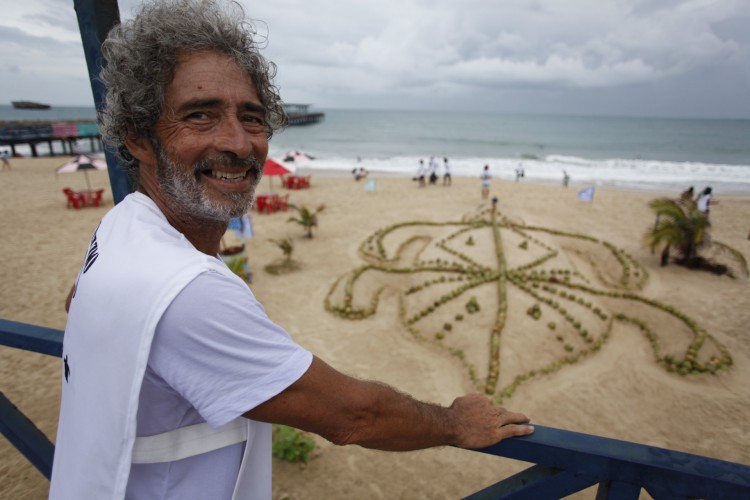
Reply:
x=345, y=410
x=69, y=299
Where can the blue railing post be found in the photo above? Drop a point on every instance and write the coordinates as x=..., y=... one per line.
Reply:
x=95, y=19
x=14, y=425
x=26, y=437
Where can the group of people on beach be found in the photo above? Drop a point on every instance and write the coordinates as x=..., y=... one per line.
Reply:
x=703, y=201
x=430, y=172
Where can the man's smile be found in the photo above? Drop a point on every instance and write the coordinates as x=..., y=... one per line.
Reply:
x=227, y=176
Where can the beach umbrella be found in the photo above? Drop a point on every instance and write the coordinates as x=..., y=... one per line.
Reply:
x=297, y=156
x=272, y=168
x=82, y=163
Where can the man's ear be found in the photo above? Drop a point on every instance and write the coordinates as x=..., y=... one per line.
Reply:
x=141, y=148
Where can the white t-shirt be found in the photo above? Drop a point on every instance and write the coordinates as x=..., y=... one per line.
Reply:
x=486, y=176
x=214, y=356
x=704, y=202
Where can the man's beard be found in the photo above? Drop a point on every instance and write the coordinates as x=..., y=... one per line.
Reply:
x=181, y=187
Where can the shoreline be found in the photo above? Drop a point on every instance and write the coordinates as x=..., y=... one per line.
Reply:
x=665, y=189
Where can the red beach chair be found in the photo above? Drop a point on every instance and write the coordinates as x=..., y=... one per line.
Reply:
x=96, y=197
x=74, y=199
x=280, y=203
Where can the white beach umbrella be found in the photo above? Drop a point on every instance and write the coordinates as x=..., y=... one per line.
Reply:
x=297, y=156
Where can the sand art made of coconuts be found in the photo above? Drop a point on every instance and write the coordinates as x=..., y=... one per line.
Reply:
x=572, y=287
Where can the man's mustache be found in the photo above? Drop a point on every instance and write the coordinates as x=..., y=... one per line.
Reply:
x=250, y=163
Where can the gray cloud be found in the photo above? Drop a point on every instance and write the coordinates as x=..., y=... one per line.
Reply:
x=674, y=57
x=451, y=52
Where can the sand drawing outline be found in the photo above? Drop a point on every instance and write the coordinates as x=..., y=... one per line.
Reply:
x=577, y=313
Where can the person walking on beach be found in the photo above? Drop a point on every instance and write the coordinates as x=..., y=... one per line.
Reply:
x=687, y=195
x=421, y=173
x=485, y=180
x=433, y=170
x=4, y=155
x=705, y=200
x=173, y=371
x=519, y=172
x=566, y=178
x=447, y=181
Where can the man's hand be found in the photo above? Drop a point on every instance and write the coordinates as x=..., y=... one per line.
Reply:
x=480, y=424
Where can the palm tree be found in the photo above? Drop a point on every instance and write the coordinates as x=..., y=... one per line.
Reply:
x=306, y=218
x=287, y=246
x=679, y=225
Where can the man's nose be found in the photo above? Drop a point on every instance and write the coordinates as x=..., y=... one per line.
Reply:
x=231, y=137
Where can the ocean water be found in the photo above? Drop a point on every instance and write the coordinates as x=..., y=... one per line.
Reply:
x=640, y=153
x=62, y=113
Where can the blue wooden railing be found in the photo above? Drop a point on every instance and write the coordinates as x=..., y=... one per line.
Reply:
x=566, y=462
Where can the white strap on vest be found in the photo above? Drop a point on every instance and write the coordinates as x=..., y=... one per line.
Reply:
x=188, y=441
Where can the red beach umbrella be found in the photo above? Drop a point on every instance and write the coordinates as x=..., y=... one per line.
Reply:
x=272, y=168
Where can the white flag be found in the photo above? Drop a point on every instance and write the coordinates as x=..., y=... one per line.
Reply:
x=247, y=227
x=586, y=194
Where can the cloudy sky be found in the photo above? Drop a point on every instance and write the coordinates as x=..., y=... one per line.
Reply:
x=684, y=58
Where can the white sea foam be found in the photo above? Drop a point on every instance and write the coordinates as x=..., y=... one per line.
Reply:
x=627, y=173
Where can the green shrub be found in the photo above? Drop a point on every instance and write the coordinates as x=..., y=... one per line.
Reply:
x=534, y=311
x=291, y=444
x=472, y=306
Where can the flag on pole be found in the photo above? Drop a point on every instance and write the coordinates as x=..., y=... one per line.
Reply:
x=247, y=226
x=242, y=226
x=586, y=194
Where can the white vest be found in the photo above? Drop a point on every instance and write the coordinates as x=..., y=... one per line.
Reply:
x=135, y=266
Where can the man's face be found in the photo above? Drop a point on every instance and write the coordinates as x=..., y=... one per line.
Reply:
x=179, y=186
x=210, y=142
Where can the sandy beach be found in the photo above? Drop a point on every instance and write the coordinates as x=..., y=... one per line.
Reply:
x=617, y=391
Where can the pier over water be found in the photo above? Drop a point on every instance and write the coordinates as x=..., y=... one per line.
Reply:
x=300, y=114
x=61, y=137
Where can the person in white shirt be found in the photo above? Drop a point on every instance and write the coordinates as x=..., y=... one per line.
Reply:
x=421, y=173
x=172, y=370
x=447, y=180
x=705, y=200
x=4, y=155
x=433, y=170
x=485, y=180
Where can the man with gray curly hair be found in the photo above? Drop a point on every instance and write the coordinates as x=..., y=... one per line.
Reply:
x=172, y=370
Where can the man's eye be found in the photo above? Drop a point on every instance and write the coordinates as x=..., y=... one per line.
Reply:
x=254, y=119
x=197, y=115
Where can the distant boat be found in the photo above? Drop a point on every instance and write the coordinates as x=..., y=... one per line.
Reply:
x=29, y=105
